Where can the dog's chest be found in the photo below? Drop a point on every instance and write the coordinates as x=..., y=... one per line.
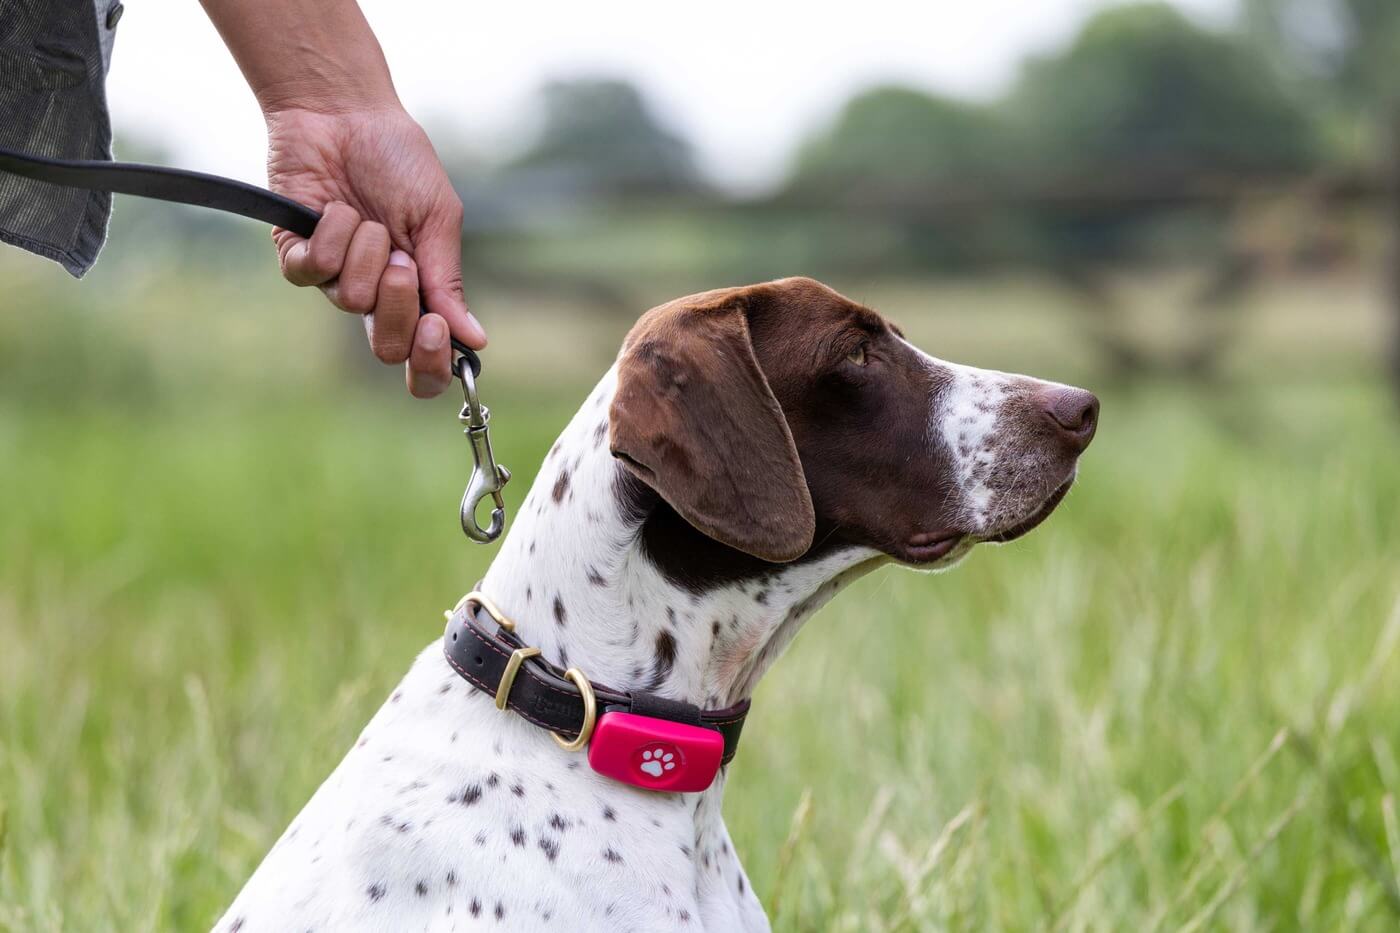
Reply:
x=448, y=813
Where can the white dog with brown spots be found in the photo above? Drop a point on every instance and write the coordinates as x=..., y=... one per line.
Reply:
x=752, y=451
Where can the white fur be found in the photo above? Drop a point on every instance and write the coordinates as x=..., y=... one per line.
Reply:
x=447, y=811
x=998, y=470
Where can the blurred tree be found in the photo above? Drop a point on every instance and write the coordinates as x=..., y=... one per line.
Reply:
x=1144, y=90
x=896, y=141
x=1349, y=50
x=600, y=137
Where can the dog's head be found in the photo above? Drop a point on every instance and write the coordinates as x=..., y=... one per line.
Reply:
x=777, y=416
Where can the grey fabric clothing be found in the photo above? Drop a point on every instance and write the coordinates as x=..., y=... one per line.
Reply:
x=54, y=56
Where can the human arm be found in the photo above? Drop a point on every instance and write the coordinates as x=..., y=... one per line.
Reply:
x=340, y=141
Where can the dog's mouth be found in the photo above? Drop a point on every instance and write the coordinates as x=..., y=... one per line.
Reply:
x=929, y=546
x=1028, y=524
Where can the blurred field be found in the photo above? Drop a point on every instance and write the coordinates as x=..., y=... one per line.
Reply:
x=1175, y=706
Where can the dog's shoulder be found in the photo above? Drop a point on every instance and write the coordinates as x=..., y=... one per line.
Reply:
x=445, y=808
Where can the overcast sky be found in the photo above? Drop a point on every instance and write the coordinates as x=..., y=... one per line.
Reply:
x=743, y=80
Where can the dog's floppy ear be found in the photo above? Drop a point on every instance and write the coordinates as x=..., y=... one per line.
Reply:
x=695, y=419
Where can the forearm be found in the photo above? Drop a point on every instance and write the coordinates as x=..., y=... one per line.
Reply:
x=305, y=54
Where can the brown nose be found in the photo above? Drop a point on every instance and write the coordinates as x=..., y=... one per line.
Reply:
x=1073, y=412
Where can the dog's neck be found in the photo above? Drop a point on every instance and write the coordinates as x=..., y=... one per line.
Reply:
x=584, y=576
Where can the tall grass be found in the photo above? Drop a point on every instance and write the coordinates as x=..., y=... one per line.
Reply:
x=1175, y=706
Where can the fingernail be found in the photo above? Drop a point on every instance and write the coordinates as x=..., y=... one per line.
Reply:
x=434, y=332
x=478, y=331
x=399, y=258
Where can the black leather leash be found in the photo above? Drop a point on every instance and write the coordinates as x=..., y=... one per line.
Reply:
x=235, y=197
x=182, y=186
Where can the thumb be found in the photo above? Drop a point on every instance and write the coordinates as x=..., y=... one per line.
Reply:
x=438, y=252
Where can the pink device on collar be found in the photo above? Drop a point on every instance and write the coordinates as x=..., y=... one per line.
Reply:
x=655, y=754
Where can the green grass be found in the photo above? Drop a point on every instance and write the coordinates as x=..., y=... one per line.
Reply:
x=1176, y=705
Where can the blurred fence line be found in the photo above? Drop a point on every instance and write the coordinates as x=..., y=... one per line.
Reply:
x=1155, y=188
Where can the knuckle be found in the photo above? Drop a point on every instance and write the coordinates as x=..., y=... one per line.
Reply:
x=356, y=295
x=342, y=213
x=322, y=260
x=375, y=231
x=398, y=282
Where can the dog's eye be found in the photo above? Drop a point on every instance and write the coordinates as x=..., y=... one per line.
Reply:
x=857, y=355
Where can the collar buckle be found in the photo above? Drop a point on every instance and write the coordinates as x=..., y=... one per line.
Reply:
x=636, y=738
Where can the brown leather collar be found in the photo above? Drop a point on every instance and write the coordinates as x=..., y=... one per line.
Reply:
x=479, y=644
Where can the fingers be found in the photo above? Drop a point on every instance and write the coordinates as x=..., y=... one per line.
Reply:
x=438, y=250
x=321, y=258
x=429, y=370
x=393, y=310
x=396, y=332
x=354, y=264
x=357, y=287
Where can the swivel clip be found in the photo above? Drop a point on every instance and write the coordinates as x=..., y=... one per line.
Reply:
x=488, y=478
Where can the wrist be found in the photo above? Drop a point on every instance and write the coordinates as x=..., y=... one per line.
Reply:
x=327, y=94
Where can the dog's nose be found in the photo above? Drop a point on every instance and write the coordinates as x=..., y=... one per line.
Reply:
x=1073, y=412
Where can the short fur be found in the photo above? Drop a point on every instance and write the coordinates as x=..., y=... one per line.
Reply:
x=776, y=442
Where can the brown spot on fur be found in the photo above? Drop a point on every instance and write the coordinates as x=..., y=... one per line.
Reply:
x=665, y=658
x=561, y=486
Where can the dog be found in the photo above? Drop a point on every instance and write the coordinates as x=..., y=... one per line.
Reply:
x=752, y=451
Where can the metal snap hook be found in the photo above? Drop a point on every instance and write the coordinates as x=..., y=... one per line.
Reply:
x=488, y=478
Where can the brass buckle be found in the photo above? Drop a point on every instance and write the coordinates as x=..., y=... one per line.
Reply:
x=590, y=712
x=481, y=599
x=517, y=657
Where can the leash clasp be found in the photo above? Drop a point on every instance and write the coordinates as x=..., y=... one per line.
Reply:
x=488, y=478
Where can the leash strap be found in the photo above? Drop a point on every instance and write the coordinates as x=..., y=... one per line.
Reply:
x=480, y=648
x=181, y=186
x=234, y=197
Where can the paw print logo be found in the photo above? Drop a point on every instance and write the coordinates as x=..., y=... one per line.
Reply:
x=657, y=761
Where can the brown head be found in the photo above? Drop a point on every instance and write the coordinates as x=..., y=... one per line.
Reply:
x=781, y=420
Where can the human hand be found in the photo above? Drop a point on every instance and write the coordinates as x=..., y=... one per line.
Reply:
x=390, y=231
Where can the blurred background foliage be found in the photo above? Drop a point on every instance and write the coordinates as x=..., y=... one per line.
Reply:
x=1174, y=707
x=1148, y=142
